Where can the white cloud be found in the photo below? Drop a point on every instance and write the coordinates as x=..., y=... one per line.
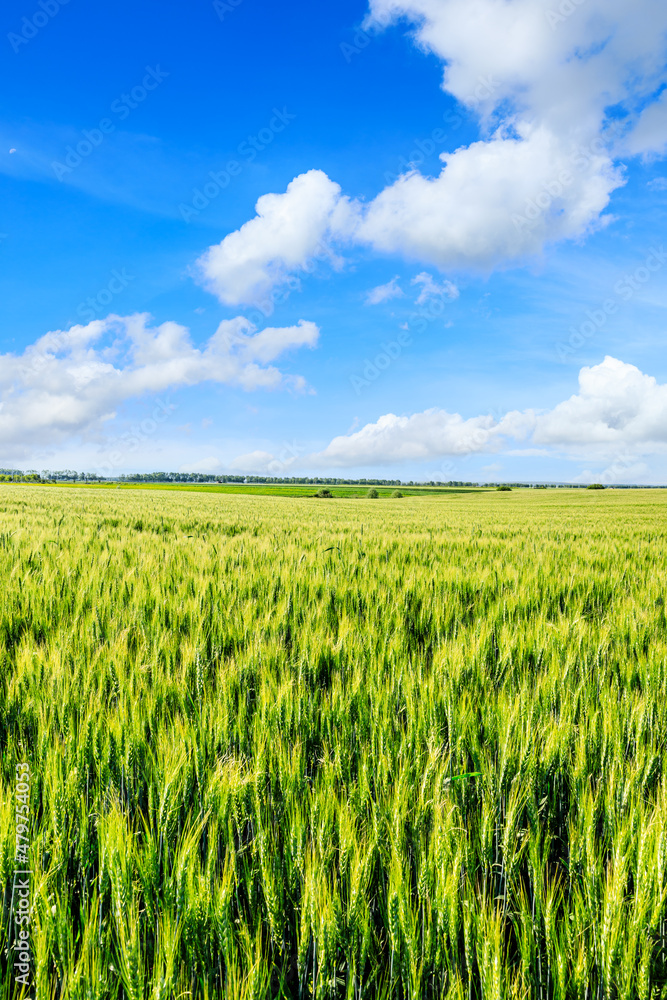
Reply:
x=496, y=202
x=289, y=231
x=617, y=407
x=542, y=84
x=430, y=289
x=618, y=415
x=237, y=337
x=382, y=293
x=71, y=382
x=419, y=437
x=536, y=64
x=650, y=132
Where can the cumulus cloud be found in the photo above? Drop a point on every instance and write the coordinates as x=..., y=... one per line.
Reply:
x=495, y=202
x=617, y=407
x=382, y=293
x=558, y=97
x=617, y=417
x=618, y=414
x=288, y=233
x=561, y=69
x=419, y=437
x=71, y=382
x=542, y=84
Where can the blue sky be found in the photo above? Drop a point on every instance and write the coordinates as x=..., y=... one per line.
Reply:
x=498, y=315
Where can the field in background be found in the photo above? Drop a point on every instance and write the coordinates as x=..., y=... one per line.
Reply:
x=279, y=490
x=337, y=749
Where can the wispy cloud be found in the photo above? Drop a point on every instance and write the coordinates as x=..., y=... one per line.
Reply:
x=383, y=293
x=430, y=289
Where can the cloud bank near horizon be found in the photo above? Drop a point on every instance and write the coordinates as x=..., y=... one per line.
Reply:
x=618, y=415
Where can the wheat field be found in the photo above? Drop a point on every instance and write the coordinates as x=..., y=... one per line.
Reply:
x=287, y=747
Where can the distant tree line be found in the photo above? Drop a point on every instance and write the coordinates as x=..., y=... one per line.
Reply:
x=198, y=477
x=72, y=476
x=47, y=476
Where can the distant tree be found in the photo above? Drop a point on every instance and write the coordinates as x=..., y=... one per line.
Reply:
x=397, y=493
x=504, y=488
x=327, y=494
x=596, y=486
x=372, y=494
